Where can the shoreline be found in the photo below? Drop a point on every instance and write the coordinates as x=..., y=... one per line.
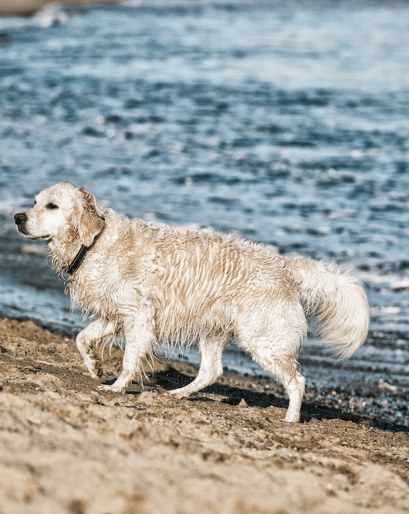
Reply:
x=30, y=7
x=318, y=401
x=69, y=448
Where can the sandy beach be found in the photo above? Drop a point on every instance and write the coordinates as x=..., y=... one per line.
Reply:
x=28, y=7
x=67, y=448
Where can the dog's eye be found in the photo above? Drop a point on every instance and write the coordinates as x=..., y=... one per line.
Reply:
x=51, y=206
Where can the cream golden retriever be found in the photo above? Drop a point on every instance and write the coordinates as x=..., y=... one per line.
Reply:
x=152, y=284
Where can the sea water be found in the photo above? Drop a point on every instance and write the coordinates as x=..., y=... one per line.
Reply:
x=286, y=123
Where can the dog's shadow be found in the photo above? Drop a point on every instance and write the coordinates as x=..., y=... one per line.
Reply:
x=173, y=379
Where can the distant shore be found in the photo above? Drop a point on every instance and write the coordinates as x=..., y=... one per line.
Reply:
x=29, y=7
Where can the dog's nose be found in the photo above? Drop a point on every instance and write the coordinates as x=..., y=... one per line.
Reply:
x=20, y=217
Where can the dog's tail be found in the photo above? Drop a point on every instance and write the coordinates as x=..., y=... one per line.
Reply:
x=334, y=301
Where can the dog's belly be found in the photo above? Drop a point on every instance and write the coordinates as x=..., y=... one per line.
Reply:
x=183, y=322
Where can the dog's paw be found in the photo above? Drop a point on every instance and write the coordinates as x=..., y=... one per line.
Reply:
x=110, y=388
x=94, y=371
x=178, y=393
x=291, y=419
x=175, y=393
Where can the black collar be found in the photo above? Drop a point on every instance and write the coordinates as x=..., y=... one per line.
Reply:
x=79, y=258
x=76, y=263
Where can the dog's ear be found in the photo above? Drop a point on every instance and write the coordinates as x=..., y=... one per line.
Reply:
x=89, y=220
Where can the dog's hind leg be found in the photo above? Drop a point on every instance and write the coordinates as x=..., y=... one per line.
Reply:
x=86, y=340
x=211, y=367
x=294, y=384
x=273, y=342
x=285, y=369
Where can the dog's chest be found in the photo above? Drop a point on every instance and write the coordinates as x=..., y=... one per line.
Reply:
x=107, y=291
x=97, y=294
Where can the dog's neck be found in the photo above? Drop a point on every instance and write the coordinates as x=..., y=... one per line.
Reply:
x=62, y=258
x=76, y=263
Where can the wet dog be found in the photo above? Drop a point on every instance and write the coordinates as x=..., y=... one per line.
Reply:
x=150, y=283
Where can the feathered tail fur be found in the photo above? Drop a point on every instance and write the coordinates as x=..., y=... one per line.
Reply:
x=334, y=301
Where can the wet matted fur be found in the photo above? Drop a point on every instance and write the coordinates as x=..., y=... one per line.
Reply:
x=150, y=283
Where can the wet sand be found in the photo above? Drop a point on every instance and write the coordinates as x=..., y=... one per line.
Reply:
x=28, y=7
x=67, y=448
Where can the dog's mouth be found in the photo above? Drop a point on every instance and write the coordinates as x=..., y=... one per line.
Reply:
x=21, y=228
x=46, y=238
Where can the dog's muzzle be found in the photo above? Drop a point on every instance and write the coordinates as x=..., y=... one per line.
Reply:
x=20, y=218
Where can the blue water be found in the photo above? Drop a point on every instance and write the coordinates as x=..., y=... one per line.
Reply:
x=284, y=123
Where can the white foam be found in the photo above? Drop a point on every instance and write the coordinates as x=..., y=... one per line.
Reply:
x=52, y=15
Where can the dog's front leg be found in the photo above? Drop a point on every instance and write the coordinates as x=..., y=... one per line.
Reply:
x=211, y=367
x=86, y=339
x=139, y=337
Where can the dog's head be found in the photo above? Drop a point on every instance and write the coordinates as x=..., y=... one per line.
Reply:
x=62, y=212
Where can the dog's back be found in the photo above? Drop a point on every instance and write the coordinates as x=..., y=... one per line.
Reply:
x=206, y=283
